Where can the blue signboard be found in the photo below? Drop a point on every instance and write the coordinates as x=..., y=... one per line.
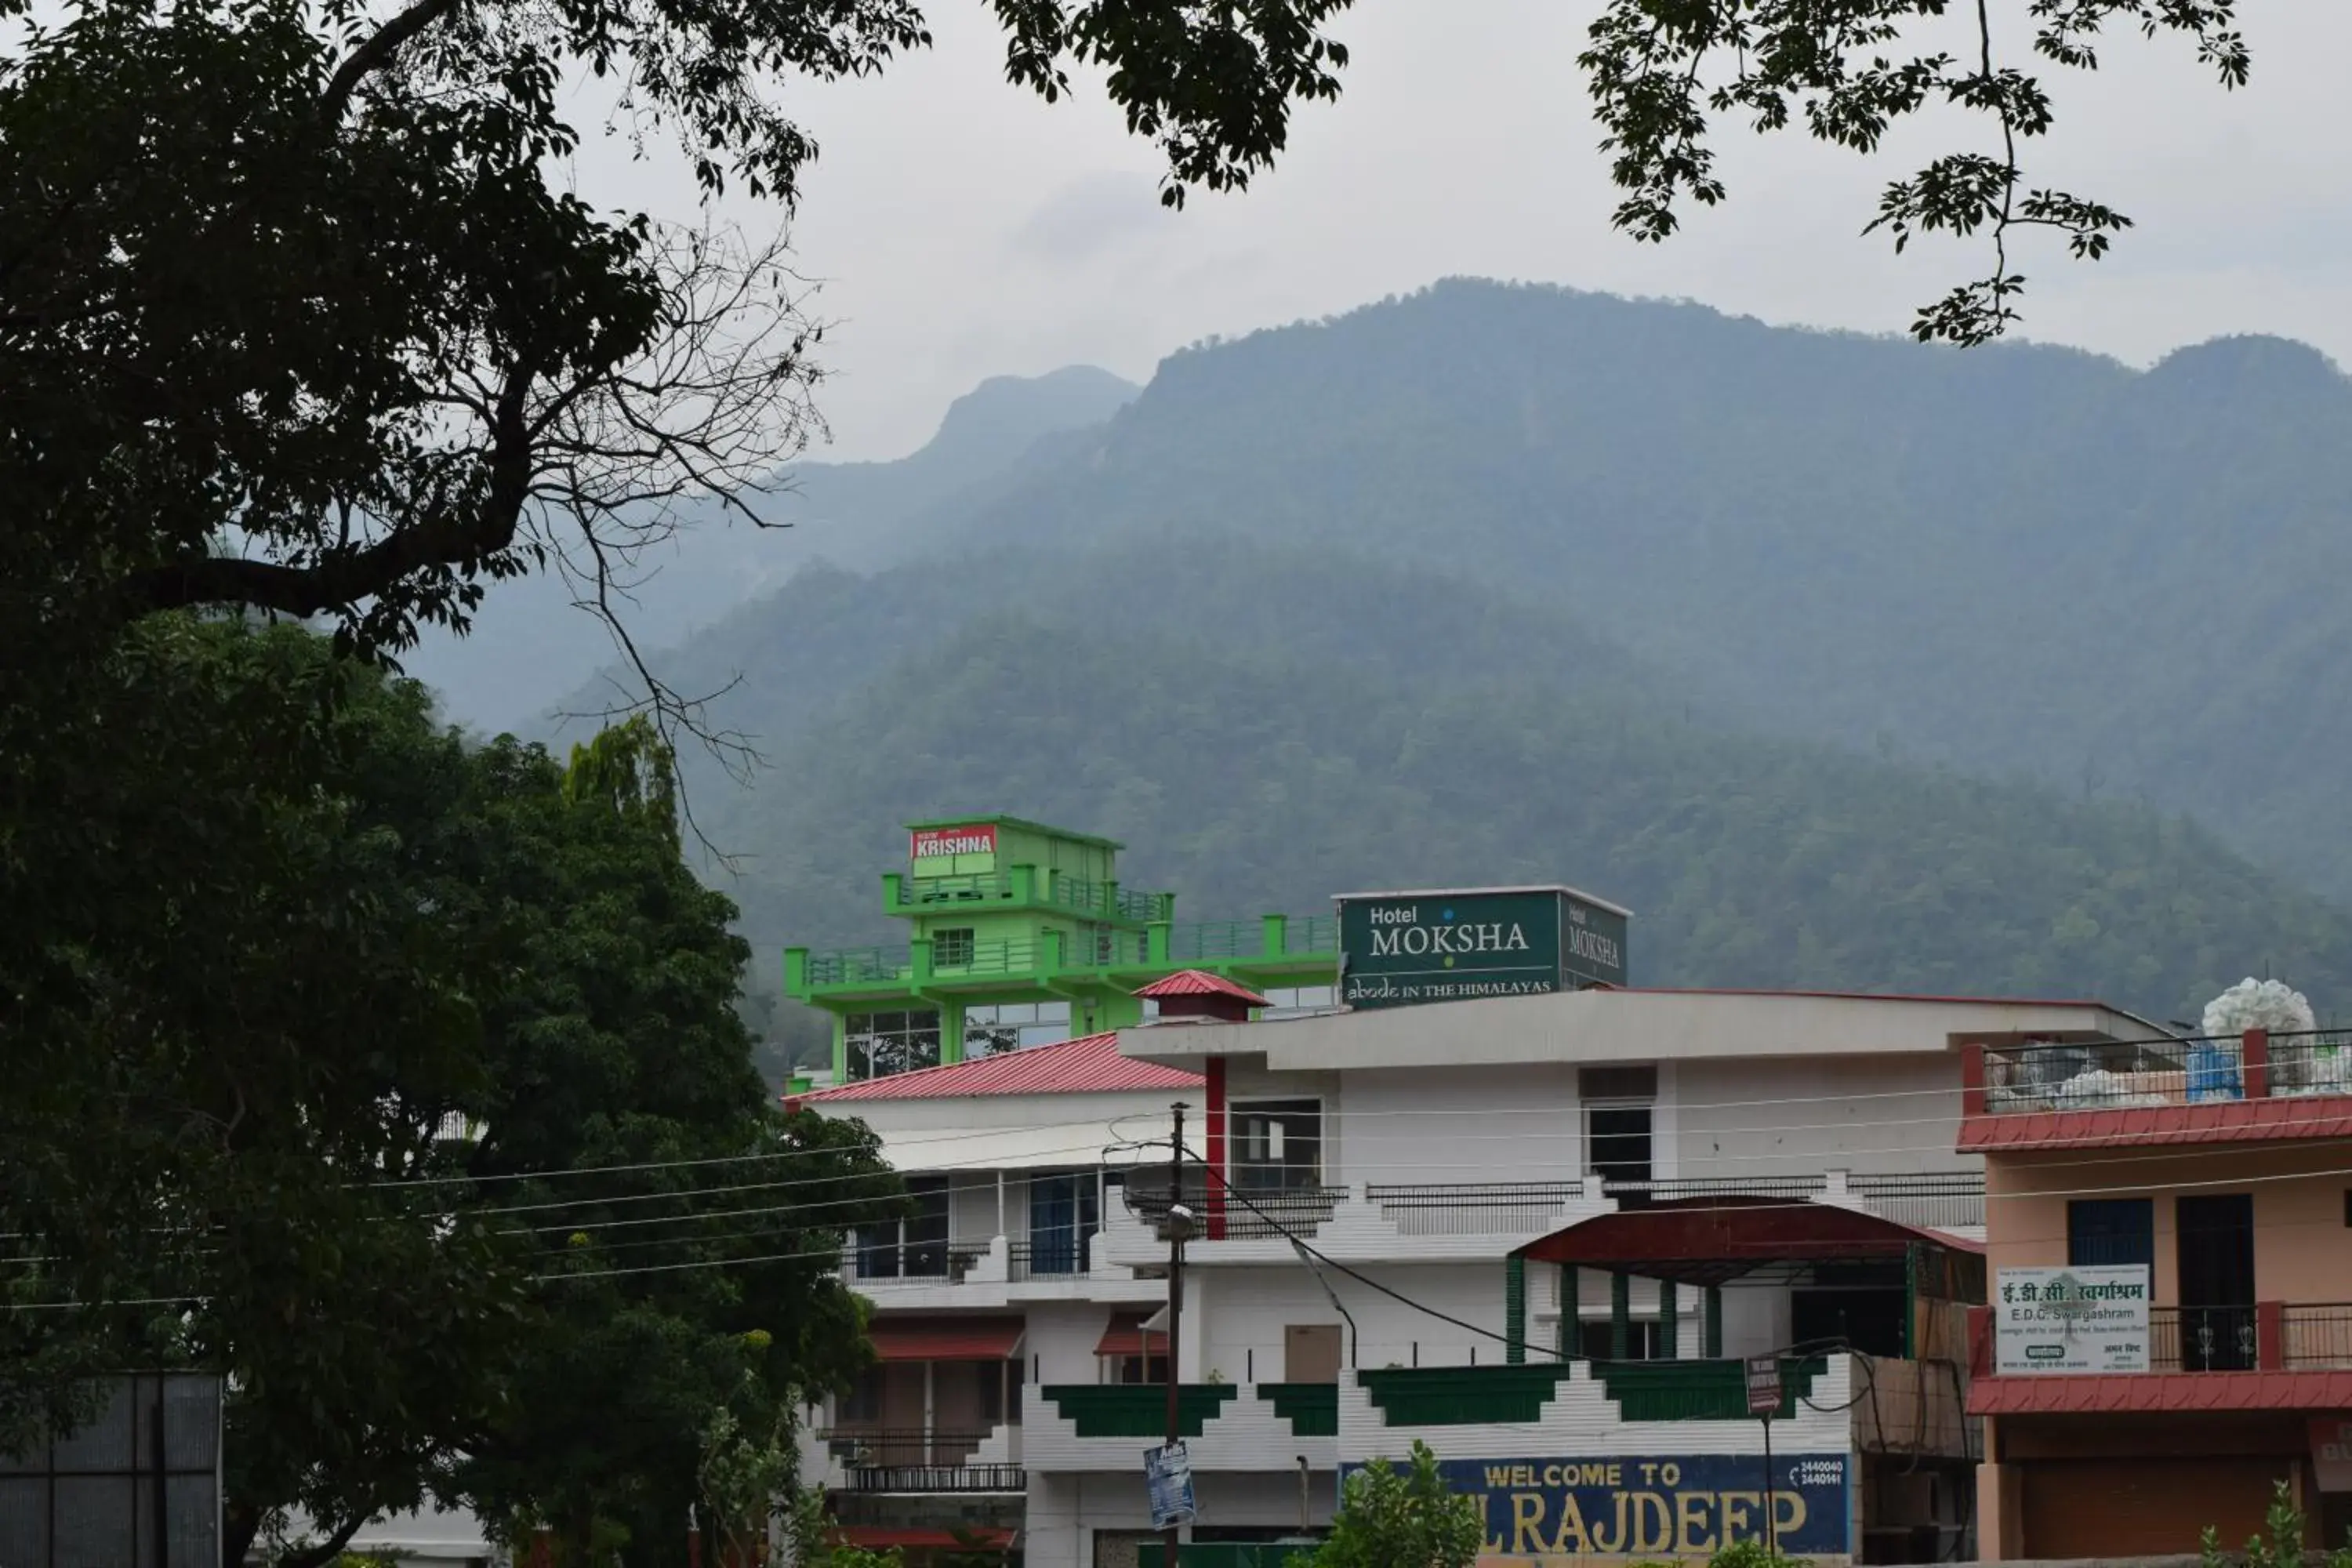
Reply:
x=1684, y=1506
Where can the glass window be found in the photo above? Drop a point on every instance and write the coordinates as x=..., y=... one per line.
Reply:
x=1011, y=1025
x=863, y=1402
x=1644, y=1338
x=952, y=948
x=882, y=1044
x=1617, y=1122
x=2110, y=1232
x=1277, y=1144
x=1283, y=999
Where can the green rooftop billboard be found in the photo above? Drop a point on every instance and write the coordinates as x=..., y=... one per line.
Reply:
x=1453, y=945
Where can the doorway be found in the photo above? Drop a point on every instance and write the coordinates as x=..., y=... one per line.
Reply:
x=1310, y=1352
x=2217, y=1282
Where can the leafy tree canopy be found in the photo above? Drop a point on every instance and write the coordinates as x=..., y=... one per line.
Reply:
x=1401, y=1519
x=421, y=1108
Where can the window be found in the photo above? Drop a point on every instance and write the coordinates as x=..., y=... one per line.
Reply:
x=1277, y=1145
x=1300, y=999
x=992, y=1392
x=1063, y=1216
x=883, y=1044
x=863, y=1402
x=952, y=948
x=915, y=1248
x=1011, y=1025
x=1142, y=1369
x=1618, y=1106
x=1643, y=1340
x=2110, y=1232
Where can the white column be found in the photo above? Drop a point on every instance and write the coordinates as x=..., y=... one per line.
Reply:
x=928, y=1392
x=1000, y=1203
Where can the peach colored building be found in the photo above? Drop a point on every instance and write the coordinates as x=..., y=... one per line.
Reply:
x=2224, y=1167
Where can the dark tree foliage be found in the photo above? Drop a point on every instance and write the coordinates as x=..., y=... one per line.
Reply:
x=1665, y=73
x=313, y=1022
x=296, y=315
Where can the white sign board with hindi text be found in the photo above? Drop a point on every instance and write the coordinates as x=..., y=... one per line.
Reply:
x=2070, y=1320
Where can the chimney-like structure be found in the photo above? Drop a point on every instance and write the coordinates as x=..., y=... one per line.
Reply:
x=1197, y=996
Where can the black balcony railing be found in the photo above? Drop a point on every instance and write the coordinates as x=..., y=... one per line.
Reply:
x=2203, y=1339
x=899, y=1460
x=2122, y=1075
x=1639, y=1194
x=2315, y=1335
x=1472, y=1208
x=1937, y=1200
x=947, y=1261
x=1258, y=1215
x=1048, y=1255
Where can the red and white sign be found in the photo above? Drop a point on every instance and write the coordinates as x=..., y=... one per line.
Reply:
x=941, y=843
x=2331, y=1452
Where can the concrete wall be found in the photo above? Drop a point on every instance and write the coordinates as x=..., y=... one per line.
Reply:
x=1412, y=1125
x=1796, y=1116
x=2299, y=1209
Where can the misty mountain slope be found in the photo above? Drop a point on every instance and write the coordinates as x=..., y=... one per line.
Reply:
x=2019, y=560
x=1251, y=782
x=531, y=644
x=782, y=659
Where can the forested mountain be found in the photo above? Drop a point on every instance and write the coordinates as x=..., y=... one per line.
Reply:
x=1266, y=727
x=2017, y=560
x=532, y=644
x=1742, y=625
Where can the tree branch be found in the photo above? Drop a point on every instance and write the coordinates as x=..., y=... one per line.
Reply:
x=448, y=540
x=377, y=52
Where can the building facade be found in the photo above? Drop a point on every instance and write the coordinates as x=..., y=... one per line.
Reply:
x=2216, y=1171
x=1021, y=935
x=1443, y=1223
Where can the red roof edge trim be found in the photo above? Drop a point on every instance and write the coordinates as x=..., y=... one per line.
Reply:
x=1088, y=1065
x=1199, y=983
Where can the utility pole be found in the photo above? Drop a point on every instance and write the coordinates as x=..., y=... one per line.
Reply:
x=1177, y=1216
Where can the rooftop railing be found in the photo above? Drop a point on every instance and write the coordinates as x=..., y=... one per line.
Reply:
x=2125, y=1075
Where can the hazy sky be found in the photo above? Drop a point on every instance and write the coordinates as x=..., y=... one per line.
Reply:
x=963, y=228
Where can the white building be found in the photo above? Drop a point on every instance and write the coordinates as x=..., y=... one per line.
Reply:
x=1544, y=1229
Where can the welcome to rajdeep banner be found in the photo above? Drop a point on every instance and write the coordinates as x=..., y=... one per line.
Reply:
x=1679, y=1506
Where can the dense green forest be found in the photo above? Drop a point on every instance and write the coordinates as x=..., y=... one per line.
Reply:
x=2019, y=560
x=1264, y=727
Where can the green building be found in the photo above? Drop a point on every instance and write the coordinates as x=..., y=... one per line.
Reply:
x=1023, y=934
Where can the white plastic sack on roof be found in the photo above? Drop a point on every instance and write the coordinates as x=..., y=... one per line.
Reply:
x=2252, y=1004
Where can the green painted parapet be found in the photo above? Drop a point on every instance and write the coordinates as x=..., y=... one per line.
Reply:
x=1463, y=1395
x=1311, y=1408
x=1699, y=1390
x=1137, y=1409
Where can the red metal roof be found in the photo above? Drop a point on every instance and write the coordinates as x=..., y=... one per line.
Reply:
x=1088, y=1065
x=2207, y=1121
x=1200, y=982
x=945, y=1339
x=1127, y=1336
x=2132, y=1391
x=1709, y=1239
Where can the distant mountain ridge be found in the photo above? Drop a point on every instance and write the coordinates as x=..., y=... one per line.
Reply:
x=2019, y=560
x=531, y=645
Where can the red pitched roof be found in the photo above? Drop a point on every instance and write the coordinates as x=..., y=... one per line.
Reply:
x=945, y=1339
x=1088, y=1065
x=1200, y=982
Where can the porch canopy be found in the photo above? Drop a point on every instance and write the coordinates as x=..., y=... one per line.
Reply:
x=1708, y=1240
x=945, y=1339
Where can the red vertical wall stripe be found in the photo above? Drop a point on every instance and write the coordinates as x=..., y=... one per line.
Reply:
x=1216, y=1187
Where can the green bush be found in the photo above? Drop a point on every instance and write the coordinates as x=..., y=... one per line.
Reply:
x=2282, y=1549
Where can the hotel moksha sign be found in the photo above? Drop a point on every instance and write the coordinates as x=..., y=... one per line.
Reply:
x=1407, y=948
